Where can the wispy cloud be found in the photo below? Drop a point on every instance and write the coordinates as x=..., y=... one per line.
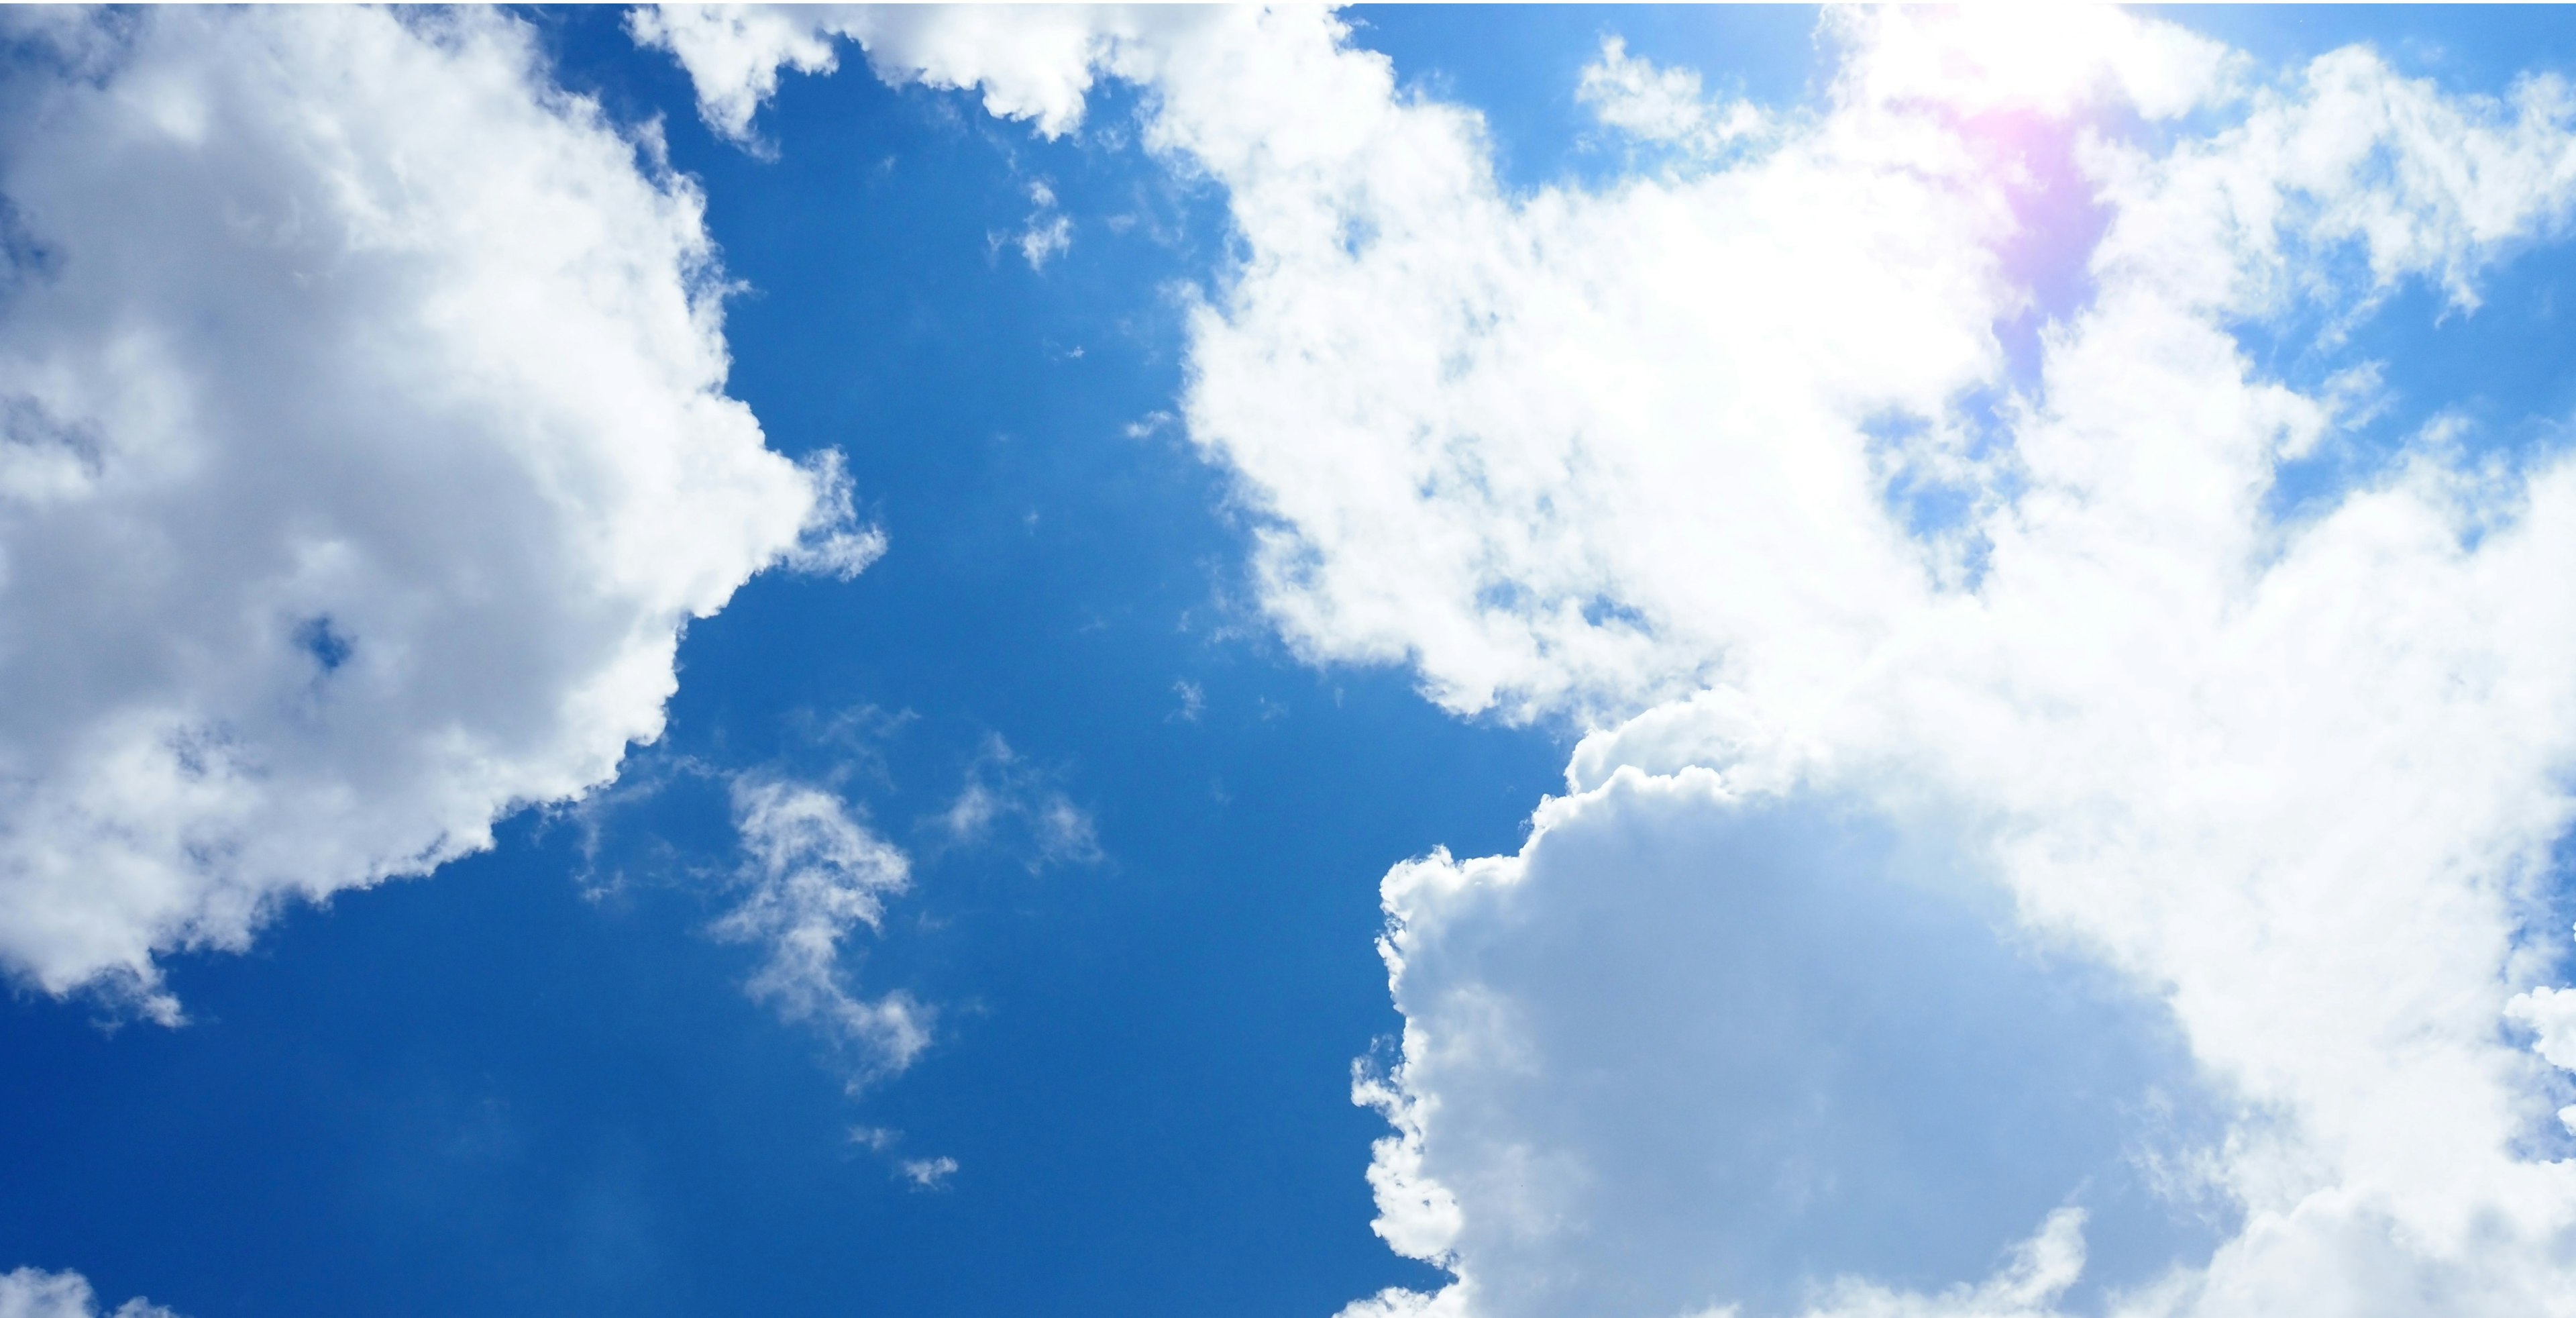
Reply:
x=1008, y=803
x=927, y=1173
x=1049, y=231
x=812, y=876
x=920, y=1173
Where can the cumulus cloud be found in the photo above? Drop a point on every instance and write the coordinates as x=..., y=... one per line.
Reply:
x=363, y=452
x=2550, y=1014
x=1638, y=452
x=1691, y=1048
x=31, y=1293
x=1740, y=468
x=812, y=876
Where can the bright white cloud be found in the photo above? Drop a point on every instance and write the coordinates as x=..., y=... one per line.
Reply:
x=2550, y=1014
x=812, y=876
x=2032, y=1279
x=1736, y=465
x=1034, y=62
x=1654, y=104
x=31, y=1293
x=366, y=451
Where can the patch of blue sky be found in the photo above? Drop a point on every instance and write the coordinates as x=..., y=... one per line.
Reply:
x=1519, y=66
x=323, y=640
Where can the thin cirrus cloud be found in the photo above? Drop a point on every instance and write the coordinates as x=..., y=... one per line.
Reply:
x=343, y=508
x=1979, y=753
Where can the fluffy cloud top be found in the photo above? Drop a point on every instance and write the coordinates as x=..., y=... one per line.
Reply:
x=1030, y=63
x=1739, y=466
x=365, y=453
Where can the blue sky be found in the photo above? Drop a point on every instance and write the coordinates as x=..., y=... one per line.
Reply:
x=1233, y=509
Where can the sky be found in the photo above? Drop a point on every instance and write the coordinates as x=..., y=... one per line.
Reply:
x=1368, y=663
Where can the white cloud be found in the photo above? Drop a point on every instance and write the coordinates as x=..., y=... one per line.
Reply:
x=920, y=1173
x=1630, y=93
x=812, y=876
x=834, y=542
x=1049, y=233
x=1034, y=63
x=927, y=1173
x=366, y=451
x=1693, y=1047
x=735, y=52
x=2550, y=1014
x=30, y=1293
x=1737, y=468
x=1010, y=803
x=2027, y=1286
